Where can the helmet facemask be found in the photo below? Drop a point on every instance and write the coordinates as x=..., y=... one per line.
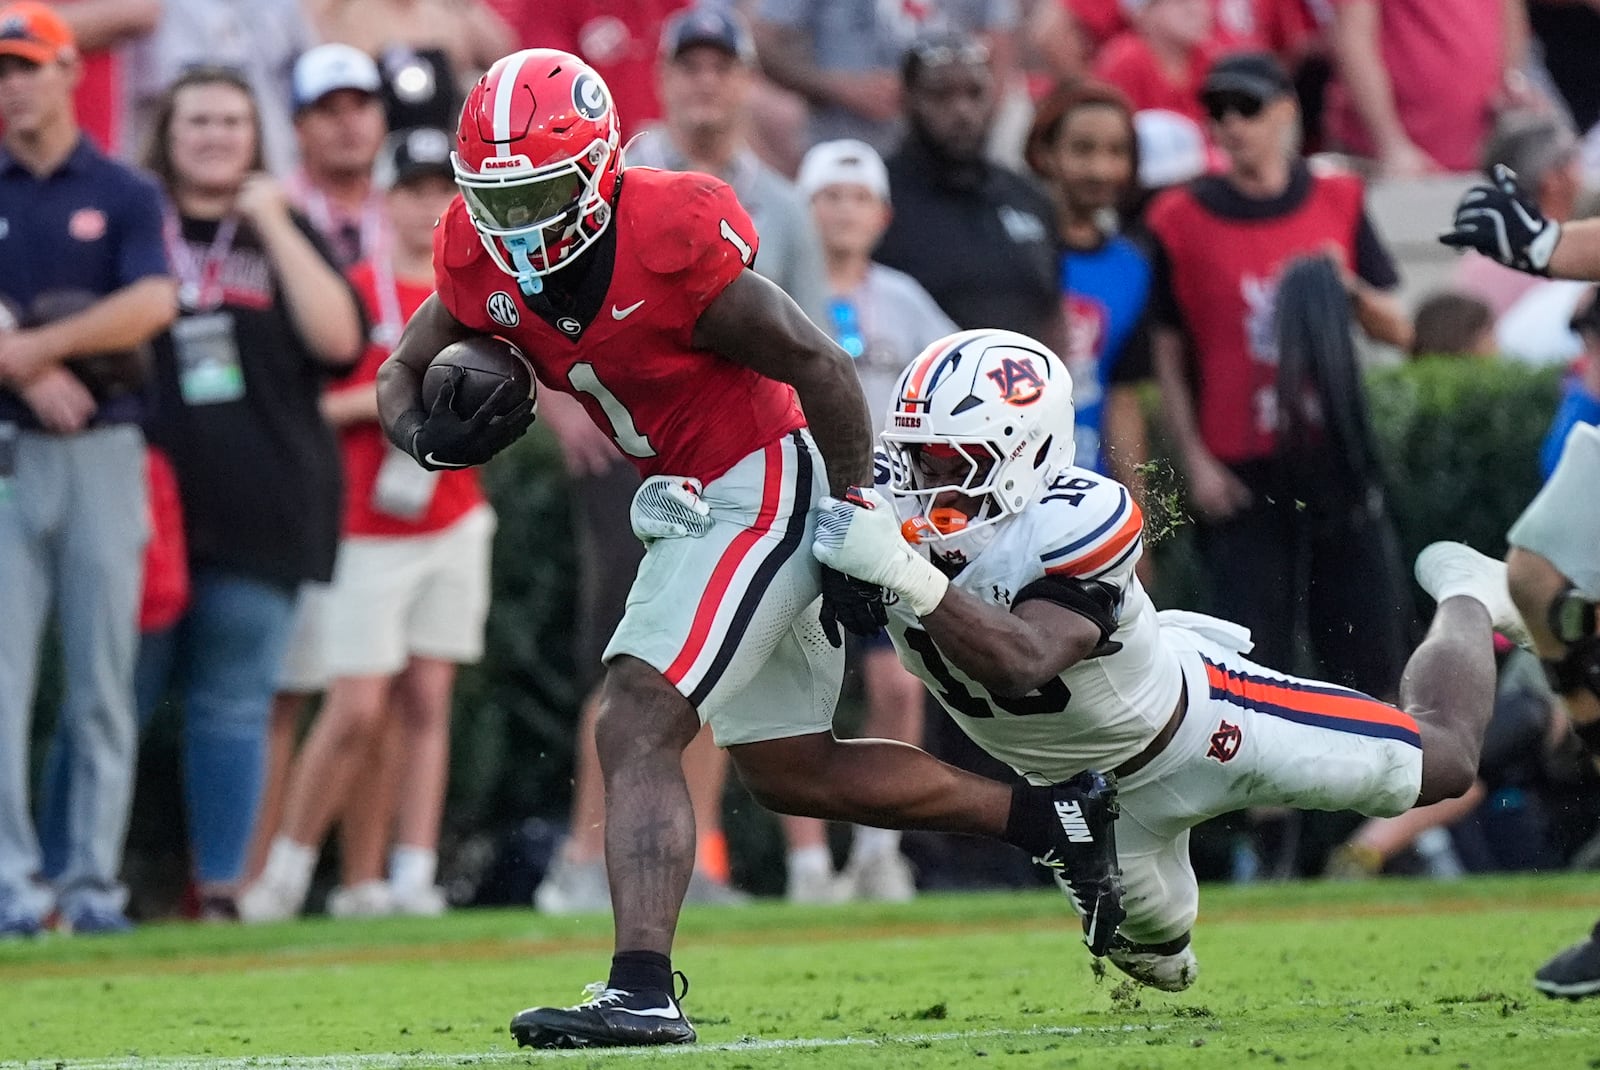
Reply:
x=986, y=415
x=968, y=470
x=536, y=220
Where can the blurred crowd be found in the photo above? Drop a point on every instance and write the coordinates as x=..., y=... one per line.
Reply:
x=217, y=216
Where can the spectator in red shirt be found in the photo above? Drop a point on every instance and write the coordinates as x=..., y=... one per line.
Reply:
x=1162, y=61
x=617, y=38
x=1279, y=533
x=409, y=596
x=1421, y=80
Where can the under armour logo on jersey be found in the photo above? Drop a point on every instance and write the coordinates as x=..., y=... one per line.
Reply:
x=503, y=310
x=1225, y=742
x=1070, y=814
x=569, y=325
x=1002, y=595
x=1019, y=381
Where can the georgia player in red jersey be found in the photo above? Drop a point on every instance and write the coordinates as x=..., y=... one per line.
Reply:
x=631, y=290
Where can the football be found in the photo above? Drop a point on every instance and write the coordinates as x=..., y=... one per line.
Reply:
x=487, y=362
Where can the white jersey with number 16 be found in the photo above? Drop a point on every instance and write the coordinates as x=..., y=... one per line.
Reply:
x=1098, y=713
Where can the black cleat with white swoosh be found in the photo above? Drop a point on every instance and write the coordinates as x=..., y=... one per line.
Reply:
x=608, y=1018
x=1083, y=857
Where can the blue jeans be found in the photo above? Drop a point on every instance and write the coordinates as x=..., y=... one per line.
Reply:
x=222, y=658
x=72, y=535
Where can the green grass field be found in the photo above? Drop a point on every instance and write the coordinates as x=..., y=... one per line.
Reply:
x=1366, y=976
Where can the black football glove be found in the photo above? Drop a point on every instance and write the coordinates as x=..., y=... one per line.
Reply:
x=1502, y=222
x=856, y=604
x=446, y=440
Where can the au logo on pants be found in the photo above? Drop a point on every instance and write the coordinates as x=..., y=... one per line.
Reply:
x=1225, y=742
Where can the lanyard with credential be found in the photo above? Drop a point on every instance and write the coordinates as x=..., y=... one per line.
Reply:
x=200, y=280
x=391, y=320
x=319, y=211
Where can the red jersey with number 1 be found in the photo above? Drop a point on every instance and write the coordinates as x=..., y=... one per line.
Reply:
x=671, y=408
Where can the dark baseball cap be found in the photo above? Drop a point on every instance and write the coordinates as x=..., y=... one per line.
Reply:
x=708, y=24
x=1257, y=75
x=411, y=154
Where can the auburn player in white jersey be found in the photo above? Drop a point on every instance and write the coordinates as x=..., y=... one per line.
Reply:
x=1010, y=575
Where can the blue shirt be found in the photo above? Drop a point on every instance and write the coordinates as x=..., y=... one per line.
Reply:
x=1577, y=407
x=1106, y=291
x=92, y=226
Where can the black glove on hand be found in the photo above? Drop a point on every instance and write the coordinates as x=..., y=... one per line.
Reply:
x=1502, y=222
x=854, y=603
x=445, y=440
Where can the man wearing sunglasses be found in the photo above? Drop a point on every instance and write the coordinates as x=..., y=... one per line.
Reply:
x=1223, y=242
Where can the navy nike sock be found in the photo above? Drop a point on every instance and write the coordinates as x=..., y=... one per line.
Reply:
x=636, y=971
x=1032, y=821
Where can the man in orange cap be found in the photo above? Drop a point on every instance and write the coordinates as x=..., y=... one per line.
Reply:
x=77, y=231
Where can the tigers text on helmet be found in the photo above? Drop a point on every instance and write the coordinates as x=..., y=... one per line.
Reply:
x=536, y=160
x=983, y=414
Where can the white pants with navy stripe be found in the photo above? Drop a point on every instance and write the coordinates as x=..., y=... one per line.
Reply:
x=730, y=618
x=1251, y=737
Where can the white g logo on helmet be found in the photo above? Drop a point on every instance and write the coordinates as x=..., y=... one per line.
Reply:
x=1001, y=400
x=589, y=96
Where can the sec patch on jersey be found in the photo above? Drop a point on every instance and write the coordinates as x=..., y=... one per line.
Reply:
x=485, y=363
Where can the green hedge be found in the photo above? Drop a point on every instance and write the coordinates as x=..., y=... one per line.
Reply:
x=1460, y=442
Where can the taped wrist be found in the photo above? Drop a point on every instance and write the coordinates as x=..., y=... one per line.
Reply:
x=1091, y=599
x=404, y=431
x=918, y=582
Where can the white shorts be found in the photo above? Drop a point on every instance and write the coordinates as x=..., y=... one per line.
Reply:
x=303, y=670
x=1561, y=522
x=1251, y=737
x=393, y=598
x=730, y=617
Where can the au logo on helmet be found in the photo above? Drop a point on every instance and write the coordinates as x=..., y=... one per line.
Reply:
x=1019, y=381
x=589, y=96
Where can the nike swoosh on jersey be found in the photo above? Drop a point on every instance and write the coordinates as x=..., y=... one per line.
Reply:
x=624, y=313
x=431, y=459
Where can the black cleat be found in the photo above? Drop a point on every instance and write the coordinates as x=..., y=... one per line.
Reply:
x=1084, y=855
x=1575, y=972
x=608, y=1018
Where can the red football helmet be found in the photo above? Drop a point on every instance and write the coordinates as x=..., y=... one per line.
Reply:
x=536, y=160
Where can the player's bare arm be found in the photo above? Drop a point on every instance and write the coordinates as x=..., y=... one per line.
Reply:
x=754, y=323
x=1011, y=653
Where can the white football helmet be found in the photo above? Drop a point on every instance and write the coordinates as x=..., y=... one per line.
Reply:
x=998, y=399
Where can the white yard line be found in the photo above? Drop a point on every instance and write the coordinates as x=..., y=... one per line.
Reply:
x=416, y=1060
